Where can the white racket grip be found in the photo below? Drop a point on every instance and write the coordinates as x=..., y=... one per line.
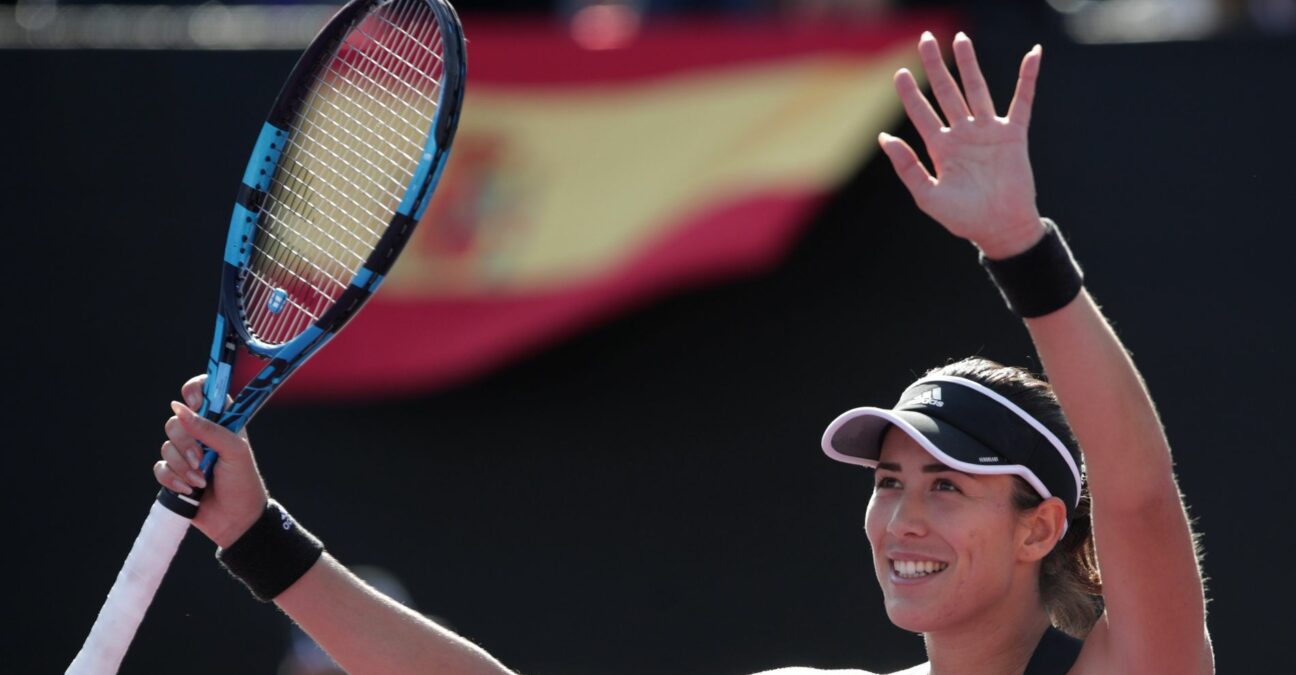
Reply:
x=131, y=594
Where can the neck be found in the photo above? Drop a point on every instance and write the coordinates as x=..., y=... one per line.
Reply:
x=991, y=645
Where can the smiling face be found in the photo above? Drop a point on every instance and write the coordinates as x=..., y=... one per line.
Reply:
x=947, y=546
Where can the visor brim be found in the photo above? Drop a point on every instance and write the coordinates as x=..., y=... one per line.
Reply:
x=855, y=437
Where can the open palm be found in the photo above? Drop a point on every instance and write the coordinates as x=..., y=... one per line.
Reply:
x=983, y=189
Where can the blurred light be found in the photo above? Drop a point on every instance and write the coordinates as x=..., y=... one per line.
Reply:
x=44, y=25
x=605, y=26
x=34, y=14
x=1142, y=20
x=1069, y=6
x=158, y=27
x=212, y=25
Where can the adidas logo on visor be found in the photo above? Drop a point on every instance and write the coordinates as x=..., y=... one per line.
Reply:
x=929, y=397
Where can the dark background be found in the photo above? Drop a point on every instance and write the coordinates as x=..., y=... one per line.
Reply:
x=648, y=497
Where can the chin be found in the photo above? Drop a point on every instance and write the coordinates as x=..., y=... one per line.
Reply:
x=914, y=619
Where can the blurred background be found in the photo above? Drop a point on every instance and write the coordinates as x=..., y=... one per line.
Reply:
x=580, y=425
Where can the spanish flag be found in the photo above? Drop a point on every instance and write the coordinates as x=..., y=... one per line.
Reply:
x=585, y=182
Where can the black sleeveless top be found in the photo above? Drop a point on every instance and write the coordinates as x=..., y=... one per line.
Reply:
x=1055, y=654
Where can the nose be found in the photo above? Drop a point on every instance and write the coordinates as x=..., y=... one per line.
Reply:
x=908, y=516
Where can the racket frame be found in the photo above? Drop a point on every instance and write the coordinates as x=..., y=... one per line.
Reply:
x=231, y=327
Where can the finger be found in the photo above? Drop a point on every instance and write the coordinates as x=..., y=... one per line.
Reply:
x=226, y=443
x=184, y=444
x=192, y=391
x=907, y=166
x=176, y=433
x=169, y=480
x=1019, y=112
x=181, y=466
x=943, y=86
x=974, y=84
x=919, y=109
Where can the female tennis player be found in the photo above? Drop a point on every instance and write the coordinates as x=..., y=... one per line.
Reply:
x=984, y=536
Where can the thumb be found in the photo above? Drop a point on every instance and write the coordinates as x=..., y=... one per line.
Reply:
x=192, y=391
x=907, y=166
x=231, y=448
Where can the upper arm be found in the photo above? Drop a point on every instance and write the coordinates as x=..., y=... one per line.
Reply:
x=1098, y=658
x=1152, y=586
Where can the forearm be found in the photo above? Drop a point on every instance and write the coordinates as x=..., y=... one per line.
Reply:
x=363, y=630
x=367, y=632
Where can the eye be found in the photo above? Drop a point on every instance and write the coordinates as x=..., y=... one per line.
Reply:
x=945, y=485
x=886, y=482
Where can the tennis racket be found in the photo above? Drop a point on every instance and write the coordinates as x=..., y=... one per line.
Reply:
x=340, y=174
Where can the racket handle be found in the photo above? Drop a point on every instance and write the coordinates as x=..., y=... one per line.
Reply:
x=131, y=594
x=185, y=506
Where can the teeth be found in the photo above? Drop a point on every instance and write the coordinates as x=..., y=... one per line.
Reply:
x=910, y=569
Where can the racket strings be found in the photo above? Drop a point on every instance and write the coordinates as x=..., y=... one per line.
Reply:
x=298, y=189
x=365, y=158
x=351, y=153
x=319, y=273
x=415, y=131
x=396, y=69
x=305, y=307
x=409, y=70
x=416, y=127
x=369, y=165
x=312, y=127
x=401, y=148
x=314, y=289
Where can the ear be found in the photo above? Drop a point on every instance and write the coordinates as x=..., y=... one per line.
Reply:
x=1042, y=527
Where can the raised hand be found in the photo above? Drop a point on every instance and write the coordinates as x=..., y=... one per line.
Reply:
x=237, y=495
x=983, y=189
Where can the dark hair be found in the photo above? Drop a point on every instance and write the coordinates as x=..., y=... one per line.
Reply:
x=1069, y=583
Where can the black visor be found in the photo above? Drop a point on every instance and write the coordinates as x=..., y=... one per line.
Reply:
x=968, y=427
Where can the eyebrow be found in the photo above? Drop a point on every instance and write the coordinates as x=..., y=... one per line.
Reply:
x=934, y=467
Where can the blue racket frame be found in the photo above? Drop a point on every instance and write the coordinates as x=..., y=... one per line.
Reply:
x=231, y=328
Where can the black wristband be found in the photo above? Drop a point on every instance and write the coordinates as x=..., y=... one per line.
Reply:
x=1039, y=280
x=272, y=555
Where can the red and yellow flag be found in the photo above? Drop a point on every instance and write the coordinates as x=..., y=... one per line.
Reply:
x=586, y=182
